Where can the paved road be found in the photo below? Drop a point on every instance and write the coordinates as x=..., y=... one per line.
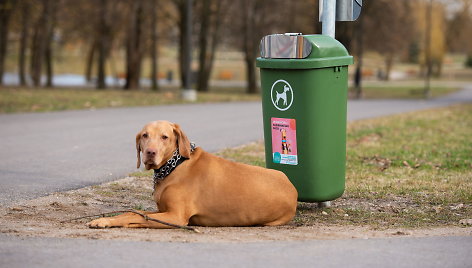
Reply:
x=48, y=152
x=438, y=252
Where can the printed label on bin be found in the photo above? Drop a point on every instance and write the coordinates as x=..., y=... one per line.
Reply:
x=281, y=94
x=284, y=141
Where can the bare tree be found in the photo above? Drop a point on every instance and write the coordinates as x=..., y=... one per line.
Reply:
x=181, y=7
x=459, y=28
x=104, y=21
x=134, y=45
x=6, y=9
x=388, y=29
x=25, y=24
x=102, y=44
x=210, y=35
x=258, y=18
x=250, y=43
x=359, y=31
x=153, y=48
x=50, y=10
x=91, y=53
x=39, y=44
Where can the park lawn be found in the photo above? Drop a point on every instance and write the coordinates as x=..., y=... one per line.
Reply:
x=17, y=100
x=411, y=170
x=20, y=100
x=403, y=92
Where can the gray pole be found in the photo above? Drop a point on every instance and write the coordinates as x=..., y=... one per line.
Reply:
x=328, y=17
x=188, y=93
x=328, y=24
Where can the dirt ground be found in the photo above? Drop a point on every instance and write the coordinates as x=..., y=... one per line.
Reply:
x=43, y=217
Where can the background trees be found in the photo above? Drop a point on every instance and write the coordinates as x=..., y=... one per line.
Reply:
x=37, y=32
x=6, y=9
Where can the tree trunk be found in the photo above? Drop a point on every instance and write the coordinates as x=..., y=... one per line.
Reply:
x=36, y=56
x=209, y=40
x=134, y=47
x=50, y=10
x=38, y=46
x=183, y=50
x=102, y=45
x=49, y=68
x=25, y=17
x=154, y=39
x=251, y=75
x=6, y=8
x=249, y=46
x=202, y=84
x=388, y=65
x=360, y=57
x=215, y=38
x=90, y=58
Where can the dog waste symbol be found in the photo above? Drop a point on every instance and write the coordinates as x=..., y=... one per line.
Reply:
x=282, y=95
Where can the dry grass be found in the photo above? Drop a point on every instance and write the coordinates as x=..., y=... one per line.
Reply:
x=393, y=91
x=15, y=100
x=410, y=170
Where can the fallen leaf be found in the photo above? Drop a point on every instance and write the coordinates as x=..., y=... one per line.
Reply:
x=466, y=222
x=457, y=207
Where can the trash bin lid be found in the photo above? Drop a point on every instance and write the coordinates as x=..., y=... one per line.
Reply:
x=296, y=51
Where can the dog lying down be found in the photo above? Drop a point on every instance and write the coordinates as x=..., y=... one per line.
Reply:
x=193, y=187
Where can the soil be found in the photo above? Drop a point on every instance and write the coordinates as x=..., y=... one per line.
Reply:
x=44, y=216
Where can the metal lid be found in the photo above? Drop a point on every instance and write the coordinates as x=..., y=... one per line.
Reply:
x=296, y=51
x=285, y=46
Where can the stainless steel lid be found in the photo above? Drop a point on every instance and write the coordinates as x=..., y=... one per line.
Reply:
x=285, y=46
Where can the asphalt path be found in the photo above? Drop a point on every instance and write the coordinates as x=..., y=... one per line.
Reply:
x=47, y=152
x=430, y=252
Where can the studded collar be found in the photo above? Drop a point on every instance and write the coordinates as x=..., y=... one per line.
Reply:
x=161, y=173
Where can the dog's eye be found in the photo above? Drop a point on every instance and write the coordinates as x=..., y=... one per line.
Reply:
x=164, y=137
x=145, y=135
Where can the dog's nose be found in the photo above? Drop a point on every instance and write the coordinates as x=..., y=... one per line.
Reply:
x=151, y=152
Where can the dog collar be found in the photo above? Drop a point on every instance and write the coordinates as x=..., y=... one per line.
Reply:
x=161, y=173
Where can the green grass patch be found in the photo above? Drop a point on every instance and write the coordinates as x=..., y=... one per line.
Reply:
x=410, y=170
x=403, y=92
x=16, y=100
x=141, y=174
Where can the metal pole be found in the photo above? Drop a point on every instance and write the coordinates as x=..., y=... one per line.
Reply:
x=188, y=93
x=328, y=24
x=328, y=17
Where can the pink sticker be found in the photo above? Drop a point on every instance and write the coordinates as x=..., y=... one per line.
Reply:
x=284, y=141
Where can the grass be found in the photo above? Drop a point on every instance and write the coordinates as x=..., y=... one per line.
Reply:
x=16, y=100
x=411, y=170
x=403, y=92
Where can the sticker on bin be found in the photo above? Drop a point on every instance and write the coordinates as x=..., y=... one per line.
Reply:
x=284, y=141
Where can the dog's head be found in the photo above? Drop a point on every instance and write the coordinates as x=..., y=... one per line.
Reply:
x=157, y=141
x=284, y=134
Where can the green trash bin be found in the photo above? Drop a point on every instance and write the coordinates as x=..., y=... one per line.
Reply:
x=304, y=96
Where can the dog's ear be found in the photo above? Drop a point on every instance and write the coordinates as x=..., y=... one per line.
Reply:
x=138, y=149
x=182, y=142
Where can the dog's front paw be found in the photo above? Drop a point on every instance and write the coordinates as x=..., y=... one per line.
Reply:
x=100, y=223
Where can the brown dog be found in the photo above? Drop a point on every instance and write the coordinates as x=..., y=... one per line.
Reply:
x=205, y=190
